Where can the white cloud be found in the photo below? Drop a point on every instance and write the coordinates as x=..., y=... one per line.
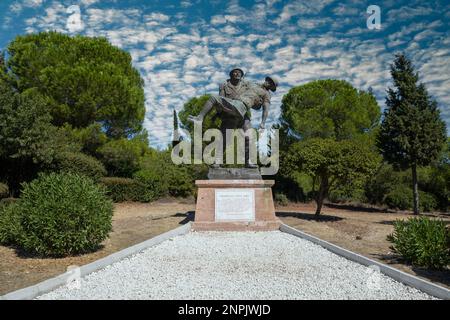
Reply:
x=296, y=8
x=18, y=6
x=346, y=10
x=88, y=3
x=180, y=57
x=157, y=16
x=407, y=13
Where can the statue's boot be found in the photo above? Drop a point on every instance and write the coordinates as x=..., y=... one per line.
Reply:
x=251, y=165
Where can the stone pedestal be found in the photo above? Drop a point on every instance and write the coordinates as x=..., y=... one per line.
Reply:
x=235, y=205
x=234, y=174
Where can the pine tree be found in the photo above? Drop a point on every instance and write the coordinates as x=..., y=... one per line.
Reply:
x=176, y=134
x=412, y=133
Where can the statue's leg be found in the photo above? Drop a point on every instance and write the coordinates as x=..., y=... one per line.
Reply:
x=247, y=126
x=214, y=100
x=223, y=129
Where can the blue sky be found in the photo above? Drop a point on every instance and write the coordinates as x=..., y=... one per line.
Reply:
x=186, y=48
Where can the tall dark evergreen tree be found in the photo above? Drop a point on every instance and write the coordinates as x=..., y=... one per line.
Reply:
x=176, y=133
x=412, y=133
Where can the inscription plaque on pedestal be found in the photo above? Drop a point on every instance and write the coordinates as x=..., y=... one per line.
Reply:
x=235, y=205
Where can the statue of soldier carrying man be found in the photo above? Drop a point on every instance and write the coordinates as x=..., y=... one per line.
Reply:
x=234, y=103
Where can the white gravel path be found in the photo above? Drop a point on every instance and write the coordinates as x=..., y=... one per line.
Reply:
x=232, y=265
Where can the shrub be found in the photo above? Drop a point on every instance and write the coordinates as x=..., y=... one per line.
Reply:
x=422, y=241
x=340, y=195
x=121, y=157
x=155, y=185
x=427, y=202
x=61, y=214
x=281, y=199
x=80, y=163
x=123, y=189
x=161, y=177
x=4, y=190
x=399, y=198
x=10, y=228
x=7, y=201
x=382, y=183
x=181, y=182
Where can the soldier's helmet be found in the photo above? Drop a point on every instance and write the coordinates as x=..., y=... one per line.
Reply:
x=274, y=81
x=239, y=69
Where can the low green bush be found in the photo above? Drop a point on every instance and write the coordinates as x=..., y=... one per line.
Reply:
x=162, y=177
x=427, y=202
x=4, y=190
x=7, y=201
x=80, y=163
x=422, y=241
x=121, y=156
x=155, y=185
x=10, y=227
x=400, y=197
x=281, y=199
x=123, y=189
x=59, y=214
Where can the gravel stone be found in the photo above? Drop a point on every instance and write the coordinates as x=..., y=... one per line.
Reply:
x=236, y=265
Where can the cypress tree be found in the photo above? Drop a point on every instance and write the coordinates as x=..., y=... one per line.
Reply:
x=412, y=133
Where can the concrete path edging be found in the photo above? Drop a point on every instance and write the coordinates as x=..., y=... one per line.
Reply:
x=46, y=286
x=400, y=276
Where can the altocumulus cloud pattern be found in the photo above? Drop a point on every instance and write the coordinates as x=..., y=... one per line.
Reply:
x=186, y=48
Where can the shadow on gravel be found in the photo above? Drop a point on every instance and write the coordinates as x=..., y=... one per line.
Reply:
x=308, y=216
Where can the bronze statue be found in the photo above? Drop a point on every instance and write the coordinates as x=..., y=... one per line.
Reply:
x=233, y=88
x=237, y=96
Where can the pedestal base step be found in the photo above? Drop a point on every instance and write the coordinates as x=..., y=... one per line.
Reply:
x=234, y=173
x=237, y=226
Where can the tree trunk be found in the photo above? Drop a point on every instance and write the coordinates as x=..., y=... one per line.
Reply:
x=323, y=189
x=415, y=188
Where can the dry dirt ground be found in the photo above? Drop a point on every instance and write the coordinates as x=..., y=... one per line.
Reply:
x=361, y=230
x=132, y=224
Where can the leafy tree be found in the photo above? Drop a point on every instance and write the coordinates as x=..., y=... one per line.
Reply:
x=193, y=107
x=83, y=80
x=323, y=164
x=332, y=116
x=328, y=109
x=28, y=141
x=435, y=178
x=79, y=163
x=412, y=133
x=122, y=157
x=90, y=138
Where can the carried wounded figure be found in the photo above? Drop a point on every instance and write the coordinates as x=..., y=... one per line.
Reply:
x=235, y=112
